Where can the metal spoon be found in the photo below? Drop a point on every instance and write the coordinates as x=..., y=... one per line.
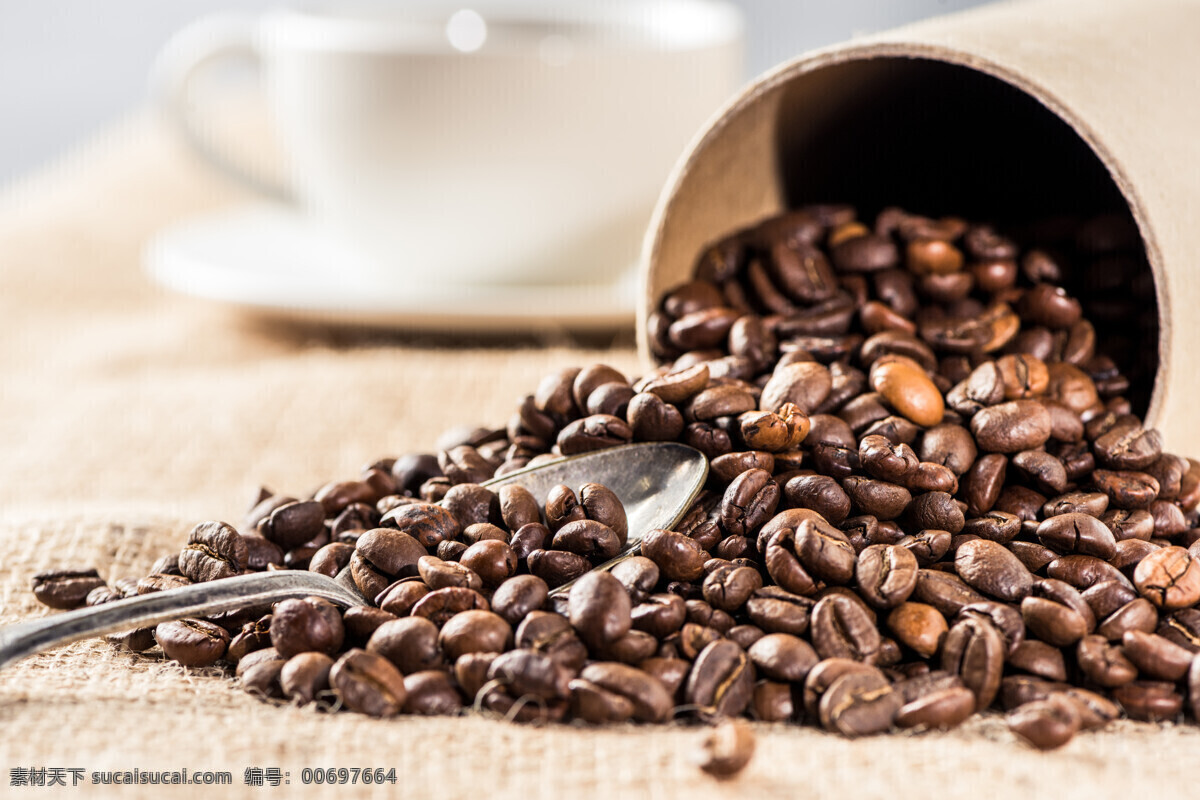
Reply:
x=657, y=483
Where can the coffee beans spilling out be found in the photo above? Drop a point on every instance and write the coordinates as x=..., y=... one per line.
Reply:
x=928, y=497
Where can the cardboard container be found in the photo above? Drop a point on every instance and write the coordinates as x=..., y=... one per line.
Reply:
x=1019, y=108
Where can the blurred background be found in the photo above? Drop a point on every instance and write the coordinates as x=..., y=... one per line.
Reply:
x=68, y=67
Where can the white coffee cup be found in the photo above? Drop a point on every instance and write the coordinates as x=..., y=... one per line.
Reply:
x=501, y=143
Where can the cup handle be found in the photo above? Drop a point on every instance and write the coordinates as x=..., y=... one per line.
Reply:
x=190, y=51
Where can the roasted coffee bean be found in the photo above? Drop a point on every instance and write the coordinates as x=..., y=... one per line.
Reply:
x=651, y=700
x=993, y=570
x=948, y=593
x=919, y=627
x=842, y=628
x=806, y=384
x=428, y=523
x=474, y=631
x=749, y=502
x=530, y=673
x=1045, y=724
x=678, y=557
x=974, y=650
x=439, y=574
x=557, y=567
x=308, y=625
x=721, y=682
x=214, y=550
x=878, y=498
x=519, y=595
x=1078, y=533
x=1169, y=578
x=1011, y=427
x=778, y=611
x=292, y=524
x=66, y=589
x=907, y=389
x=938, y=710
x=1038, y=658
x=728, y=588
x=639, y=575
x=442, y=605
x=782, y=657
x=600, y=609
x=1149, y=701
x=859, y=703
x=368, y=683
x=820, y=493
x=886, y=575
x=1155, y=656
x=305, y=676
x=411, y=643
x=192, y=642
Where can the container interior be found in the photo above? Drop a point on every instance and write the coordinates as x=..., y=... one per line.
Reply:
x=938, y=138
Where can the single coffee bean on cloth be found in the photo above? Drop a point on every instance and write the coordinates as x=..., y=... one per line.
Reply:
x=929, y=495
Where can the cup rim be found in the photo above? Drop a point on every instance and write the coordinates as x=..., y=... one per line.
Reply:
x=512, y=26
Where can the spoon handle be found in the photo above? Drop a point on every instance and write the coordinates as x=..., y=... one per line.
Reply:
x=198, y=600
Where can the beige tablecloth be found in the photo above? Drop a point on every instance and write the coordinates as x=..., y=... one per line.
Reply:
x=127, y=414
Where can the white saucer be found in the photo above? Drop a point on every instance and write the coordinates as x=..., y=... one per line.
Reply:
x=268, y=260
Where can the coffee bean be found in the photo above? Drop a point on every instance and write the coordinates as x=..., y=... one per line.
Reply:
x=721, y=682
x=993, y=570
x=886, y=575
x=305, y=676
x=1169, y=578
x=192, y=642
x=600, y=609
x=650, y=699
x=65, y=589
x=782, y=657
x=1011, y=427
x=859, y=704
x=308, y=625
x=726, y=749
x=974, y=650
x=1078, y=533
x=1045, y=724
x=1149, y=701
x=368, y=683
x=677, y=556
x=1155, y=656
x=842, y=628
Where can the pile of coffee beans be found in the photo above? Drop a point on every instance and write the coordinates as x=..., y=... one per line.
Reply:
x=928, y=496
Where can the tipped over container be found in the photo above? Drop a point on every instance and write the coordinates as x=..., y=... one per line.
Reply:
x=1007, y=113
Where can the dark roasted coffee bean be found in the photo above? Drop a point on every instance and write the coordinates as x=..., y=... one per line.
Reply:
x=310, y=624
x=859, y=703
x=842, y=628
x=214, y=550
x=305, y=676
x=1011, y=427
x=778, y=611
x=1038, y=658
x=1077, y=533
x=293, y=524
x=728, y=588
x=368, y=683
x=442, y=605
x=946, y=592
x=600, y=609
x=1045, y=724
x=1169, y=578
x=993, y=570
x=557, y=567
x=428, y=523
x=519, y=595
x=678, y=557
x=1149, y=701
x=65, y=589
x=1155, y=656
x=721, y=682
x=192, y=642
x=474, y=631
x=886, y=575
x=942, y=709
x=782, y=657
x=650, y=699
x=411, y=643
x=974, y=650
x=749, y=502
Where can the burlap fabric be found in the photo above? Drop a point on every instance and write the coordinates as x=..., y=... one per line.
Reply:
x=129, y=414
